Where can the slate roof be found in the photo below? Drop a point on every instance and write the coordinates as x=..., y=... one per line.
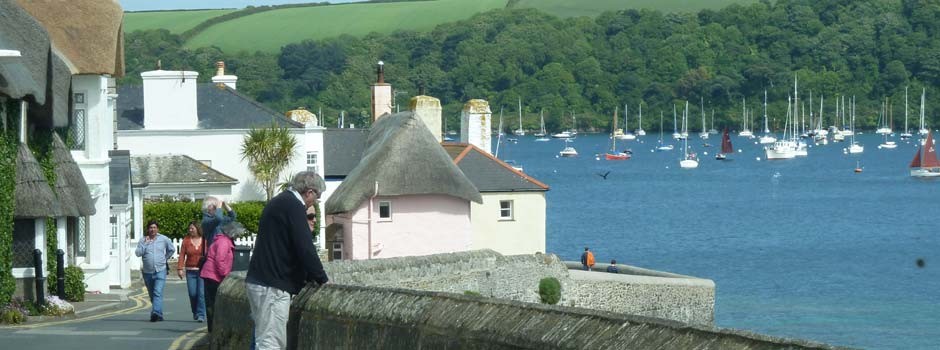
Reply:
x=175, y=169
x=119, y=179
x=217, y=107
x=342, y=150
x=405, y=159
x=488, y=173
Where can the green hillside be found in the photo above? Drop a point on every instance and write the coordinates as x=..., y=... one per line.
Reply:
x=174, y=21
x=575, y=8
x=269, y=31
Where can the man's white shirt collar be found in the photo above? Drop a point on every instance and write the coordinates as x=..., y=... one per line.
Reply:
x=301, y=199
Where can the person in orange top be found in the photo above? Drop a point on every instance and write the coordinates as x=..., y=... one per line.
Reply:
x=192, y=251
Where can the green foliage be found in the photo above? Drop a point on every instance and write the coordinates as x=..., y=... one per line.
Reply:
x=472, y=293
x=268, y=152
x=173, y=21
x=549, y=290
x=7, y=189
x=10, y=314
x=565, y=8
x=51, y=246
x=174, y=217
x=74, y=284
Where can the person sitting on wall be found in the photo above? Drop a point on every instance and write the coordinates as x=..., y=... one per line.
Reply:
x=613, y=267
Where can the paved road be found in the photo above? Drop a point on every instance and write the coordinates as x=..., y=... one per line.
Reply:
x=127, y=328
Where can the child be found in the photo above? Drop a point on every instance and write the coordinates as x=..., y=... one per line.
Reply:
x=218, y=264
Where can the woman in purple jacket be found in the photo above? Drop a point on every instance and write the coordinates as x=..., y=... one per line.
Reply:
x=218, y=264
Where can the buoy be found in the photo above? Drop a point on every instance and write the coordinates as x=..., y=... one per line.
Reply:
x=739, y=150
x=758, y=159
x=705, y=153
x=597, y=158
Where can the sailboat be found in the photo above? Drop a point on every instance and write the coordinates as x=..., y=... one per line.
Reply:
x=854, y=147
x=767, y=137
x=712, y=130
x=519, y=131
x=726, y=147
x=704, y=133
x=925, y=163
x=626, y=135
x=568, y=151
x=675, y=131
x=613, y=154
x=888, y=144
x=540, y=136
x=746, y=127
x=685, y=121
x=883, y=120
x=662, y=146
x=907, y=132
x=923, y=128
x=564, y=134
x=783, y=148
x=688, y=161
x=639, y=129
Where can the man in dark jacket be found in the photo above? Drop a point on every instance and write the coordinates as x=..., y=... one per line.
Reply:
x=284, y=259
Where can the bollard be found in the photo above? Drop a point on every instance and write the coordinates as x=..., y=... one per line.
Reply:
x=38, y=268
x=60, y=274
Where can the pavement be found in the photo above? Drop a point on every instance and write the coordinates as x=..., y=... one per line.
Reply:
x=119, y=319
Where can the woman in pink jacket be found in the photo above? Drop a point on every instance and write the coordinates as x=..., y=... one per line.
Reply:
x=218, y=264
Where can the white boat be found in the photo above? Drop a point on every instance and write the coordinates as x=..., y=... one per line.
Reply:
x=540, y=136
x=713, y=131
x=662, y=147
x=689, y=160
x=704, y=134
x=568, y=151
x=888, y=145
x=519, y=131
x=620, y=135
x=745, y=127
x=562, y=135
x=767, y=138
x=675, y=131
x=854, y=148
x=639, y=129
x=784, y=149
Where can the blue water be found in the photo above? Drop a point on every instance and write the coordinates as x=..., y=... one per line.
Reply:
x=802, y=248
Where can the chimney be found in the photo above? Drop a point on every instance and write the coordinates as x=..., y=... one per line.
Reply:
x=475, y=124
x=381, y=94
x=170, y=100
x=428, y=109
x=221, y=78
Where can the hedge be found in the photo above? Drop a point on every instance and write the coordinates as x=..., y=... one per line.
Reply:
x=174, y=217
x=7, y=189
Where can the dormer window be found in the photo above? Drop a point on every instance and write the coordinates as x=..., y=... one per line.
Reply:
x=77, y=122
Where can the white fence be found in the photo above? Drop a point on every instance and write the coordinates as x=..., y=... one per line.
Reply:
x=247, y=241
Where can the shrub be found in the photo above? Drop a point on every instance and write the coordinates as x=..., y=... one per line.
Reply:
x=249, y=213
x=14, y=312
x=550, y=290
x=74, y=284
x=57, y=307
x=174, y=217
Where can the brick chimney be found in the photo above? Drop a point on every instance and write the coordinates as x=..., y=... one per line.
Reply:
x=428, y=109
x=381, y=94
x=221, y=78
x=170, y=100
x=475, y=124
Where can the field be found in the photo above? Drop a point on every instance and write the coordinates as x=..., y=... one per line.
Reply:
x=174, y=21
x=575, y=8
x=269, y=31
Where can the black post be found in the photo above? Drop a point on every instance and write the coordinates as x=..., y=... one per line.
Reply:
x=60, y=274
x=40, y=280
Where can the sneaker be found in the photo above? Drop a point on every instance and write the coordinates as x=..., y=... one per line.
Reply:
x=195, y=318
x=201, y=319
x=160, y=318
x=153, y=317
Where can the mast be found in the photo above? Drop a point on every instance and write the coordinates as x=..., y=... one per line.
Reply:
x=819, y=121
x=499, y=132
x=626, y=119
x=905, y=110
x=704, y=131
x=614, y=129
x=520, y=113
x=766, y=129
x=640, y=125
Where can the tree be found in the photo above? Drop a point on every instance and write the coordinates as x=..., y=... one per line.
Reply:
x=268, y=152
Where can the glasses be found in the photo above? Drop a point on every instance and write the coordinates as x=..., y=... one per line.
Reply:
x=311, y=216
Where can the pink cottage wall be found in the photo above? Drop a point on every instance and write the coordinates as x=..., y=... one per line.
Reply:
x=420, y=225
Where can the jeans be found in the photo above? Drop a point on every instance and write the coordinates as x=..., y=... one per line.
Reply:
x=269, y=310
x=155, y=282
x=212, y=287
x=197, y=294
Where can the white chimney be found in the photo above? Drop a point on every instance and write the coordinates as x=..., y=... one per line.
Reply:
x=170, y=100
x=221, y=78
x=428, y=109
x=475, y=124
x=381, y=94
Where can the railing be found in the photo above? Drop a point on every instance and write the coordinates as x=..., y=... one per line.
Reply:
x=248, y=241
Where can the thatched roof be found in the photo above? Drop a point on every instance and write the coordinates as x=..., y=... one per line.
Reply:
x=405, y=159
x=88, y=33
x=48, y=79
x=70, y=185
x=34, y=197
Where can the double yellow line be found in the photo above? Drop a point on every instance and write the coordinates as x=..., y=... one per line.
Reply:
x=141, y=301
x=186, y=341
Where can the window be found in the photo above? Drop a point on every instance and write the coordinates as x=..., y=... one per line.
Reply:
x=114, y=235
x=385, y=210
x=24, y=241
x=78, y=124
x=505, y=210
x=337, y=251
x=312, y=162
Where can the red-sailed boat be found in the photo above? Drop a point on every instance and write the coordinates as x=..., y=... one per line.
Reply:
x=726, y=147
x=925, y=163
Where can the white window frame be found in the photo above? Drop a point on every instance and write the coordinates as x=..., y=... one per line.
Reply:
x=503, y=211
x=387, y=204
x=337, y=253
x=313, y=160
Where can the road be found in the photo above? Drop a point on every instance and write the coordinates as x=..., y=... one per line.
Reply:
x=126, y=328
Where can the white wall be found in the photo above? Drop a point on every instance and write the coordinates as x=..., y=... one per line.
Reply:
x=524, y=234
x=169, y=100
x=221, y=147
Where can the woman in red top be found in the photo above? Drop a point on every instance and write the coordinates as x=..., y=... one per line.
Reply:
x=218, y=264
x=191, y=251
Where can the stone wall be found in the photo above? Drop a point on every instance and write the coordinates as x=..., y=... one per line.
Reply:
x=362, y=317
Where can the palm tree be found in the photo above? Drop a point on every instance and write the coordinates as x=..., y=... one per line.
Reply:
x=268, y=152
